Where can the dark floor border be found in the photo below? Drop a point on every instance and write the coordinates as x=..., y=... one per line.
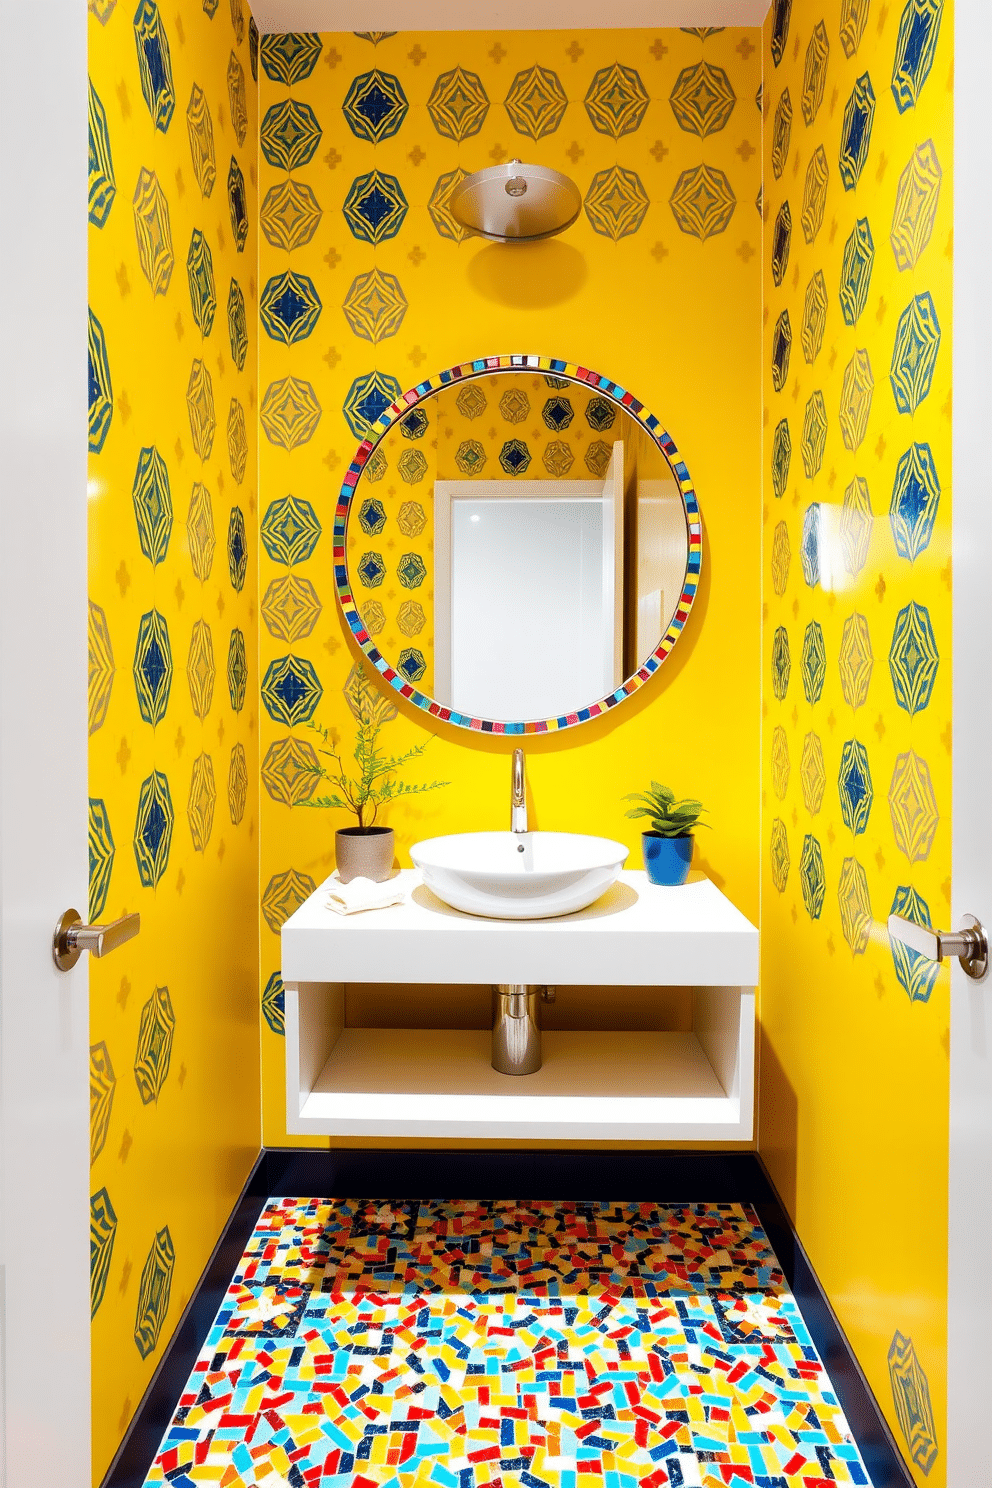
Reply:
x=515, y=1173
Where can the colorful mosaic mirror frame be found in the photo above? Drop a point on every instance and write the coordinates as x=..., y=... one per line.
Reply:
x=551, y=367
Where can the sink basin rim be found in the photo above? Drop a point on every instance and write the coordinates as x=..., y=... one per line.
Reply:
x=516, y=889
x=611, y=853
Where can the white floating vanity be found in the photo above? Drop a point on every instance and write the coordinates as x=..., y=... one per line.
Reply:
x=690, y=1085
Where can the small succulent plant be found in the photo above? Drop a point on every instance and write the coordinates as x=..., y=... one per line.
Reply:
x=669, y=817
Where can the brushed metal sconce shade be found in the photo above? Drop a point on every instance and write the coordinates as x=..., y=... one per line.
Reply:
x=516, y=203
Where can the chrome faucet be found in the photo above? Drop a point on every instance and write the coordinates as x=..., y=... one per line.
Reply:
x=518, y=794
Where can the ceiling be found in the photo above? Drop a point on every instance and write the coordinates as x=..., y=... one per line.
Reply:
x=501, y=15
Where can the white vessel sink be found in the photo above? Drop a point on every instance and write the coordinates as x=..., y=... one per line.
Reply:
x=519, y=875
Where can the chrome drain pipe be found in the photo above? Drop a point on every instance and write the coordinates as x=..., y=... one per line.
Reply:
x=516, y=1048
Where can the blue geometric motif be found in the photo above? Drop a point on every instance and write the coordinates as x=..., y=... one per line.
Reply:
x=415, y=425
x=914, y=355
x=855, y=275
x=101, y=854
x=917, y=973
x=782, y=14
x=781, y=347
x=289, y=135
x=814, y=663
x=102, y=183
x=238, y=204
x=781, y=243
x=915, y=498
x=411, y=664
x=854, y=784
x=916, y=45
x=154, y=63
x=913, y=658
x=368, y=398
x=375, y=207
x=290, y=57
x=371, y=569
x=558, y=413
x=202, y=290
x=291, y=690
x=237, y=324
x=237, y=548
x=812, y=877
x=372, y=517
x=290, y=307
x=153, y=829
x=152, y=505
x=810, y=549
x=153, y=667
x=290, y=530
x=274, y=1004
x=855, y=136
x=101, y=393
x=514, y=457
x=375, y=106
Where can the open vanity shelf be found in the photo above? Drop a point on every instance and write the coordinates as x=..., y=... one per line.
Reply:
x=693, y=1085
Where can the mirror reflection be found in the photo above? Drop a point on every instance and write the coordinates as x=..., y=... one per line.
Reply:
x=517, y=546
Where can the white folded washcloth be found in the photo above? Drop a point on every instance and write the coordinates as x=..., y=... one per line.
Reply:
x=364, y=893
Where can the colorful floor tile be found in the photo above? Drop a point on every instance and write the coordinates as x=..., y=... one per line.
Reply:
x=547, y=1345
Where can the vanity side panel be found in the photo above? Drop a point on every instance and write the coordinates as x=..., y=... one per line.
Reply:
x=314, y=1020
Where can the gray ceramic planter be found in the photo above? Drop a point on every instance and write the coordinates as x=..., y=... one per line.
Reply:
x=364, y=852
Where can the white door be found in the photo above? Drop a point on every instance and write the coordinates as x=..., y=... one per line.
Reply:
x=970, y=1251
x=44, y=1156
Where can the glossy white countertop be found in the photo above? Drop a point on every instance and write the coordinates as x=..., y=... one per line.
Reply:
x=637, y=934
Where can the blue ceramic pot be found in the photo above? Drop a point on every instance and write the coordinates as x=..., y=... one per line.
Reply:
x=667, y=859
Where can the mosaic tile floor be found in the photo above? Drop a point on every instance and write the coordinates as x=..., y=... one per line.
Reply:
x=450, y=1345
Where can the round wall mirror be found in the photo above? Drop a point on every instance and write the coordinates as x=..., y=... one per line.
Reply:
x=517, y=545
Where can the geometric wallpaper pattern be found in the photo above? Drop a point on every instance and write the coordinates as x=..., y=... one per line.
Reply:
x=367, y=283
x=293, y=193
x=857, y=741
x=172, y=711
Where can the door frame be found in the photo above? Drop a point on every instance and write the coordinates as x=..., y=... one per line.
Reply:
x=970, y=1158
x=44, y=1014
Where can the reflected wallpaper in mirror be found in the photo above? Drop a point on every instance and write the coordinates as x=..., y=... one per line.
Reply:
x=517, y=547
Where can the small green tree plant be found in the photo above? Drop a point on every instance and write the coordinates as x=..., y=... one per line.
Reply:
x=668, y=816
x=375, y=782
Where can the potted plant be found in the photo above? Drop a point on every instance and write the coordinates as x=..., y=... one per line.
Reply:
x=365, y=850
x=668, y=844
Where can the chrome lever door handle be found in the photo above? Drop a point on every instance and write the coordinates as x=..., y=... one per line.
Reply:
x=72, y=937
x=969, y=944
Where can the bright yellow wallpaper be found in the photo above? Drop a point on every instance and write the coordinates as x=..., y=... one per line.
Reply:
x=367, y=285
x=856, y=751
x=173, y=687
